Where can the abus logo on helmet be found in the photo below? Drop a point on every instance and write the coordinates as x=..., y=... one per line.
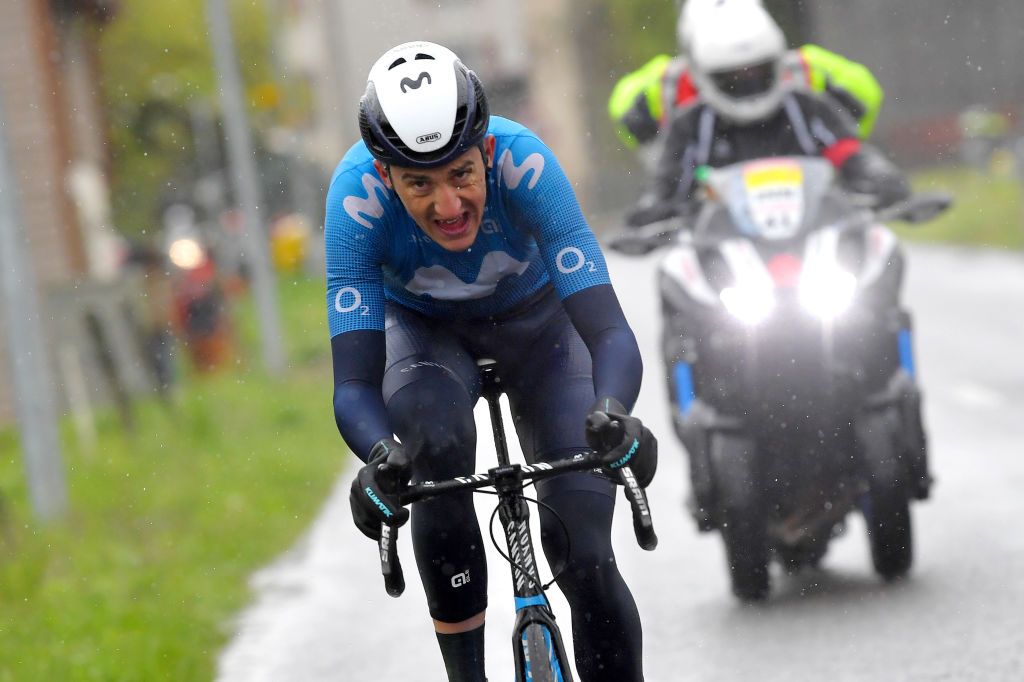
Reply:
x=430, y=137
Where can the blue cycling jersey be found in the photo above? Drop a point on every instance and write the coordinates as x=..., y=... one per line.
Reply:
x=532, y=232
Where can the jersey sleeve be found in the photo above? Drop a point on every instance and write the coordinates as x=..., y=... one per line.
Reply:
x=635, y=103
x=830, y=72
x=541, y=200
x=355, y=238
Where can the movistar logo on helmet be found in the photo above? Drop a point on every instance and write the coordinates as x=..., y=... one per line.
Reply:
x=376, y=500
x=415, y=84
x=429, y=137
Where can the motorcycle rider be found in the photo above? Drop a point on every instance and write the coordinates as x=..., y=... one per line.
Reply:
x=644, y=101
x=746, y=111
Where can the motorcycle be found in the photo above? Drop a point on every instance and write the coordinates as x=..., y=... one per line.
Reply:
x=790, y=365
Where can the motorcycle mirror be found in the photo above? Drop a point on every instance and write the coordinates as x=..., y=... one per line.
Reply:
x=919, y=208
x=639, y=241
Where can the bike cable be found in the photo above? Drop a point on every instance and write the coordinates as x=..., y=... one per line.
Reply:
x=565, y=530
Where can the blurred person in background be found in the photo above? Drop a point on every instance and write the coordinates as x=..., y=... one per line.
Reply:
x=644, y=101
x=746, y=109
x=453, y=235
x=199, y=305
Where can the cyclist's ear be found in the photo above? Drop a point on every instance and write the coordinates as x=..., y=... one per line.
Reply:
x=384, y=173
x=487, y=151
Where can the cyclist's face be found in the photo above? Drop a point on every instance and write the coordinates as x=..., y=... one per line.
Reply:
x=446, y=202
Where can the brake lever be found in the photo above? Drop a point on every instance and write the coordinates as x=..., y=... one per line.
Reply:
x=643, y=524
x=390, y=566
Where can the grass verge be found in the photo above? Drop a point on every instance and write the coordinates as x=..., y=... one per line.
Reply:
x=988, y=209
x=142, y=578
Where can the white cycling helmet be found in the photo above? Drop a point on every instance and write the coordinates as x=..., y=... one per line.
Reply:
x=422, y=107
x=736, y=60
x=692, y=11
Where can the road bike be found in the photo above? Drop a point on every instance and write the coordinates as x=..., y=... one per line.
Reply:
x=536, y=640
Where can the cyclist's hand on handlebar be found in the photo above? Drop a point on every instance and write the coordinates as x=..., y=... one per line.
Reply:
x=622, y=440
x=374, y=494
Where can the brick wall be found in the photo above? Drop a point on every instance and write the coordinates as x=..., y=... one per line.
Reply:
x=38, y=108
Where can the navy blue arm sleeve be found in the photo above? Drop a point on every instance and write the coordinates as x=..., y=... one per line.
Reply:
x=359, y=408
x=597, y=316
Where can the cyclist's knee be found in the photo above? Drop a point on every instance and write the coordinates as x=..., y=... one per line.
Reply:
x=433, y=418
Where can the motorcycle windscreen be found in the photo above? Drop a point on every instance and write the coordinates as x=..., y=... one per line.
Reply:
x=773, y=198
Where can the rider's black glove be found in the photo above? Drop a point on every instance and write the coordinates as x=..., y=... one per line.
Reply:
x=622, y=440
x=374, y=494
x=868, y=172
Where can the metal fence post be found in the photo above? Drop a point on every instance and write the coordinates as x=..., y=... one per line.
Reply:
x=32, y=377
x=243, y=173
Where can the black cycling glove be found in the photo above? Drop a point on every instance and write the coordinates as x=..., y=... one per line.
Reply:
x=374, y=494
x=622, y=440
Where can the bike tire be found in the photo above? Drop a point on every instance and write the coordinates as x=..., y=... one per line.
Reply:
x=539, y=656
x=887, y=514
x=741, y=514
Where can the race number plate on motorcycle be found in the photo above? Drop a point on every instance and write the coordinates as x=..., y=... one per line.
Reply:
x=775, y=197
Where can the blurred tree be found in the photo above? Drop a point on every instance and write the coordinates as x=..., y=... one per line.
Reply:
x=640, y=29
x=157, y=70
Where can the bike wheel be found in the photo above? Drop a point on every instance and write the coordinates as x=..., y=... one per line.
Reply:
x=742, y=519
x=540, y=658
x=887, y=513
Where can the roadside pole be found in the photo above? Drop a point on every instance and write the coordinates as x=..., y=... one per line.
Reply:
x=244, y=177
x=32, y=377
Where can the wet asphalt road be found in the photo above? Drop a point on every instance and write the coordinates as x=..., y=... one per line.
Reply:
x=320, y=613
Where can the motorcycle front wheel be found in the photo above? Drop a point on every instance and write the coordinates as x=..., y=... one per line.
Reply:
x=741, y=514
x=887, y=508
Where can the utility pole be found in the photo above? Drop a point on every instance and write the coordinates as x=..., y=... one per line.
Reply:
x=33, y=383
x=244, y=176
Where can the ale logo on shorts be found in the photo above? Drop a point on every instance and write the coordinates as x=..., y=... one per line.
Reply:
x=460, y=579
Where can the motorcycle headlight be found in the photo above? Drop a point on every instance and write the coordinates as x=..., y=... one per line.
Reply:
x=186, y=253
x=749, y=304
x=827, y=294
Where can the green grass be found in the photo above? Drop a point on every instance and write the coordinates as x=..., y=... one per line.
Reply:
x=988, y=209
x=142, y=578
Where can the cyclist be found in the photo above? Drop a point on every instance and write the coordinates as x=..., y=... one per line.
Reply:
x=642, y=102
x=453, y=235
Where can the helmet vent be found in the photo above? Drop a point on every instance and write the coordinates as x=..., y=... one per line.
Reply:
x=397, y=62
x=421, y=55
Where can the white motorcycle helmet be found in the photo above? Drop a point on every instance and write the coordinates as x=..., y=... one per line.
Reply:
x=736, y=60
x=422, y=107
x=692, y=11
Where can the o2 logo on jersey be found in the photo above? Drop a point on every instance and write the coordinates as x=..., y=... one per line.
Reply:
x=357, y=207
x=345, y=305
x=513, y=173
x=570, y=259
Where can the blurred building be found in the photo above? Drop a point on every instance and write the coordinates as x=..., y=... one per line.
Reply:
x=517, y=47
x=55, y=133
x=935, y=59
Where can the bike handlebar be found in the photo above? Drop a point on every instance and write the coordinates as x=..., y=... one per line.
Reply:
x=643, y=524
